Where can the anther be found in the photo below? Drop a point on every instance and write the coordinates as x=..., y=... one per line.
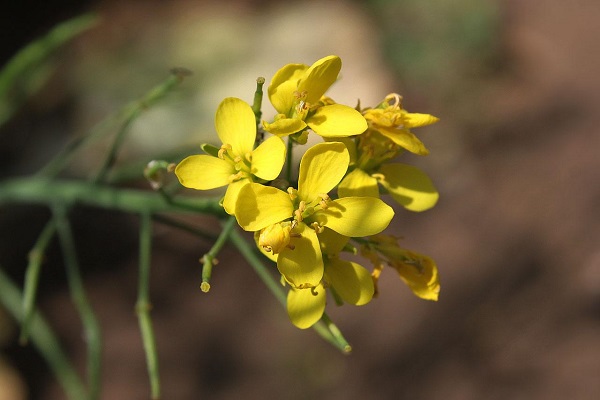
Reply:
x=293, y=193
x=318, y=228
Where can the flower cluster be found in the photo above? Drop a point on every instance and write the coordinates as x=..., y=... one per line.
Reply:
x=334, y=209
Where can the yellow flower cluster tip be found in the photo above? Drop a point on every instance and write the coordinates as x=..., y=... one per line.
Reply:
x=336, y=205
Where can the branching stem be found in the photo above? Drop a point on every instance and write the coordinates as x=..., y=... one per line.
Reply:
x=143, y=305
x=79, y=298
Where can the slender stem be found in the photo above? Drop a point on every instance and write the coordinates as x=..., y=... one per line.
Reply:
x=32, y=276
x=325, y=328
x=43, y=339
x=78, y=296
x=48, y=192
x=127, y=113
x=256, y=263
x=209, y=259
x=133, y=170
x=184, y=227
x=111, y=157
x=340, y=340
x=143, y=305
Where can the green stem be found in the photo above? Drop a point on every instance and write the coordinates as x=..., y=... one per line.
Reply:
x=184, y=227
x=48, y=192
x=258, y=95
x=111, y=157
x=127, y=113
x=325, y=328
x=340, y=340
x=209, y=259
x=143, y=305
x=43, y=339
x=32, y=276
x=79, y=298
x=256, y=263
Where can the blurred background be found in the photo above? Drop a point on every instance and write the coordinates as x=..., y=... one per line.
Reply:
x=516, y=233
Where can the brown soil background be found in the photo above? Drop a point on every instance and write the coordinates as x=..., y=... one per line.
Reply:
x=516, y=234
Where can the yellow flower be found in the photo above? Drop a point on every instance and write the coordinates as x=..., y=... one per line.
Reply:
x=418, y=271
x=407, y=184
x=307, y=211
x=393, y=122
x=238, y=163
x=296, y=91
x=348, y=280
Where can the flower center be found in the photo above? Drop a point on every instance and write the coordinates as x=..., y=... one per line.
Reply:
x=241, y=163
x=301, y=107
x=372, y=152
x=304, y=210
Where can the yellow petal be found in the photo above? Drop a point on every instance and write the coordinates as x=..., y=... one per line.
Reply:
x=351, y=281
x=236, y=125
x=409, y=186
x=259, y=206
x=231, y=195
x=319, y=77
x=355, y=216
x=422, y=278
x=283, y=85
x=350, y=145
x=204, y=172
x=358, y=184
x=284, y=126
x=321, y=168
x=268, y=158
x=415, y=120
x=302, y=266
x=305, y=306
x=268, y=254
x=332, y=242
x=337, y=120
x=405, y=139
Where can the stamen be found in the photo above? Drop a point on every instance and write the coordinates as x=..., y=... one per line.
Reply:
x=235, y=177
x=225, y=148
x=293, y=193
x=397, y=104
x=318, y=228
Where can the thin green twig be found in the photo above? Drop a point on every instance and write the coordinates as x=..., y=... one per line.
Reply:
x=143, y=305
x=32, y=275
x=209, y=259
x=127, y=113
x=111, y=156
x=48, y=192
x=325, y=328
x=256, y=263
x=43, y=339
x=182, y=226
x=79, y=298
